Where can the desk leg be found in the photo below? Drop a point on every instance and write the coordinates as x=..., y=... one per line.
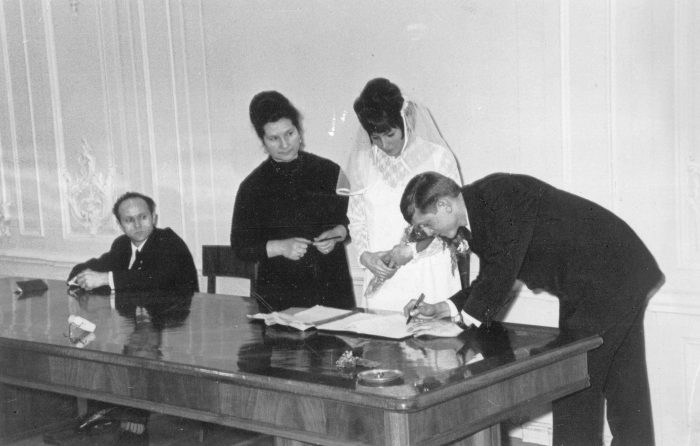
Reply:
x=25, y=412
x=490, y=436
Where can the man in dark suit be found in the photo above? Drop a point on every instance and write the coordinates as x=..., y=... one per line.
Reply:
x=592, y=261
x=143, y=258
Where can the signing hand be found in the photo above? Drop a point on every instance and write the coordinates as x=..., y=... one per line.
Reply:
x=374, y=261
x=426, y=311
x=441, y=328
x=89, y=279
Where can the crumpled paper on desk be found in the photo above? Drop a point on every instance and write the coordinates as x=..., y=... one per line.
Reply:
x=276, y=318
x=80, y=331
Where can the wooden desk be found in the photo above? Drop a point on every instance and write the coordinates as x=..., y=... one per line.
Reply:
x=199, y=357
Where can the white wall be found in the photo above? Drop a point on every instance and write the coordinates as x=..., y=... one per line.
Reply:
x=599, y=97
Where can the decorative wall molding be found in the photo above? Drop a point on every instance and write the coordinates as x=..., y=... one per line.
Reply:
x=29, y=78
x=74, y=6
x=564, y=54
x=692, y=358
x=693, y=197
x=5, y=219
x=686, y=93
x=90, y=193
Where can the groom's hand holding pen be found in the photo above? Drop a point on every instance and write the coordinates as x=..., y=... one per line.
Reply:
x=415, y=307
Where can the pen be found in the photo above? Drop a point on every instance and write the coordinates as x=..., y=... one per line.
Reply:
x=416, y=305
x=328, y=238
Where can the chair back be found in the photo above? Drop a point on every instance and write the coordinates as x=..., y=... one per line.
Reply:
x=220, y=261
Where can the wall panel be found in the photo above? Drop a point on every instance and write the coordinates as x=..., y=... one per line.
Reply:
x=591, y=93
x=687, y=149
x=88, y=121
x=7, y=132
x=201, y=201
x=25, y=164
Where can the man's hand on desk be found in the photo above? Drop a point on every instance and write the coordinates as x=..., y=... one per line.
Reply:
x=441, y=328
x=89, y=279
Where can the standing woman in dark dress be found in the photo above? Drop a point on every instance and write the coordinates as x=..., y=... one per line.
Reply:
x=288, y=217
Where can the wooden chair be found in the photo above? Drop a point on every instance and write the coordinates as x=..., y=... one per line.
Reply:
x=220, y=261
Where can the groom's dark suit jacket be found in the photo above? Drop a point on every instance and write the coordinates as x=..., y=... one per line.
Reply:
x=167, y=264
x=523, y=228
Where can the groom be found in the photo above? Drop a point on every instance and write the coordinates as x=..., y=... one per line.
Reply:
x=601, y=272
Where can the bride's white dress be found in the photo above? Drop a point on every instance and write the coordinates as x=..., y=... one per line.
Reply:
x=376, y=224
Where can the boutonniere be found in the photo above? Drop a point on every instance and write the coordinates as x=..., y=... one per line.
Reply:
x=462, y=247
x=458, y=246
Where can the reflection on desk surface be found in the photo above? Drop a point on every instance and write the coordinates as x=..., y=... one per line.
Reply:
x=212, y=334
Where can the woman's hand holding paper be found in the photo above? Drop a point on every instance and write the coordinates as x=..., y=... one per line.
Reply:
x=292, y=248
x=325, y=242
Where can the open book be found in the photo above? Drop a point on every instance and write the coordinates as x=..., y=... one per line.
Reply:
x=383, y=325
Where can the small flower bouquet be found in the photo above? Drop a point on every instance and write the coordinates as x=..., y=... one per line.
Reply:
x=411, y=234
x=458, y=246
x=348, y=361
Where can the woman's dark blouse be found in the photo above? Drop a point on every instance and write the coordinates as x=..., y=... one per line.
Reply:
x=294, y=199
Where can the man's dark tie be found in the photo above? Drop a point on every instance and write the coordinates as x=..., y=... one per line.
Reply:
x=465, y=233
x=138, y=261
x=463, y=260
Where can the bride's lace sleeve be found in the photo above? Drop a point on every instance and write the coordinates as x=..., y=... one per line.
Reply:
x=358, y=224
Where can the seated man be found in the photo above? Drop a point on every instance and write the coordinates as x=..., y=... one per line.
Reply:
x=143, y=258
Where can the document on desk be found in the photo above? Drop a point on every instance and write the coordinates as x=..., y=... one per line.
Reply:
x=319, y=314
x=391, y=326
x=301, y=320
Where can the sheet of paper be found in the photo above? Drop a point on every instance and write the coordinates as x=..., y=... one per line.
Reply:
x=319, y=313
x=476, y=358
x=301, y=320
x=386, y=326
x=276, y=318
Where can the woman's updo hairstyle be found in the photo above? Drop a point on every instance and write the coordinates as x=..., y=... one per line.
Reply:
x=271, y=106
x=379, y=107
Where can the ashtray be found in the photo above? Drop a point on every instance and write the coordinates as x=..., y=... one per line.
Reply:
x=380, y=377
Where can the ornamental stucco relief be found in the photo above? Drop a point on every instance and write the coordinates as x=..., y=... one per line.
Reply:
x=90, y=192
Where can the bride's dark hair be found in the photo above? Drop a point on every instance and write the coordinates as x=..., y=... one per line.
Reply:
x=378, y=107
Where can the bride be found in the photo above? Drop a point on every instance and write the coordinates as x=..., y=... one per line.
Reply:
x=398, y=140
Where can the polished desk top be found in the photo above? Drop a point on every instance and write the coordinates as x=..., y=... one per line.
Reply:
x=209, y=335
